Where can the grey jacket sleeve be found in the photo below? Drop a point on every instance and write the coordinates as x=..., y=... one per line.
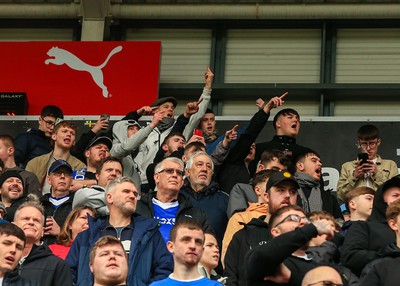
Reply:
x=123, y=149
x=195, y=118
x=219, y=154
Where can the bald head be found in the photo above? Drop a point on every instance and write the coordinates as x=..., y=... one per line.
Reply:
x=320, y=274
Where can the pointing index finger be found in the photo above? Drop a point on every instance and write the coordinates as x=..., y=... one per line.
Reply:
x=283, y=95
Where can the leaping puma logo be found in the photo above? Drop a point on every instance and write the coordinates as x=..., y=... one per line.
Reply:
x=61, y=56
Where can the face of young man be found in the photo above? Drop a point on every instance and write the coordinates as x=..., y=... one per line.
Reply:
x=132, y=130
x=46, y=124
x=286, y=224
x=187, y=248
x=11, y=248
x=109, y=172
x=110, y=265
x=124, y=198
x=362, y=204
x=207, y=123
x=60, y=181
x=167, y=109
x=168, y=179
x=30, y=220
x=11, y=190
x=281, y=195
x=174, y=143
x=64, y=138
x=200, y=174
x=288, y=125
x=311, y=166
x=370, y=146
x=391, y=195
x=210, y=257
x=95, y=153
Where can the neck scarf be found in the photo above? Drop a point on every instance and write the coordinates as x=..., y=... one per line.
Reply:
x=314, y=202
x=165, y=123
x=212, y=137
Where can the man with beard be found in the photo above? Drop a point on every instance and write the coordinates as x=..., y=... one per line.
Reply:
x=281, y=190
x=283, y=259
x=148, y=258
x=107, y=170
x=186, y=244
x=312, y=196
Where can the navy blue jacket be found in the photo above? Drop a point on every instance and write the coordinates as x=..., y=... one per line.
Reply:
x=29, y=145
x=149, y=259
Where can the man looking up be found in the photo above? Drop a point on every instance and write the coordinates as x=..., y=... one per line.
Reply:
x=64, y=134
x=108, y=262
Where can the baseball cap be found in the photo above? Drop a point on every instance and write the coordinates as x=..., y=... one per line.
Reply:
x=278, y=177
x=58, y=164
x=393, y=182
x=10, y=174
x=100, y=139
x=164, y=100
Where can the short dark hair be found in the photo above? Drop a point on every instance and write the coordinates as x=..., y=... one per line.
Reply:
x=191, y=224
x=307, y=152
x=368, y=132
x=99, y=167
x=355, y=192
x=12, y=229
x=102, y=241
x=52, y=111
x=261, y=177
x=269, y=154
x=198, y=146
x=170, y=135
x=285, y=112
x=279, y=212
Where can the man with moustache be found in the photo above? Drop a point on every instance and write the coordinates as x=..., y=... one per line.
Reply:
x=148, y=257
x=281, y=191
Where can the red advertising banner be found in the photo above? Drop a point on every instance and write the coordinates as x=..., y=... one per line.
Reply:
x=82, y=78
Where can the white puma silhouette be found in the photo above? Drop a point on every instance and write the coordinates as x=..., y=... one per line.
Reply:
x=61, y=56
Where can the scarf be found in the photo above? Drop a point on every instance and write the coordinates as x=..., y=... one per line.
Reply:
x=212, y=137
x=314, y=202
x=165, y=123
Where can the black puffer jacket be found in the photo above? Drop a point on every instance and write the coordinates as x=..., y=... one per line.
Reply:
x=13, y=279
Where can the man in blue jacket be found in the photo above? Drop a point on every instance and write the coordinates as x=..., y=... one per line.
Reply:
x=148, y=257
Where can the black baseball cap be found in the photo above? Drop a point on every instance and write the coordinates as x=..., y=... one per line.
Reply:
x=164, y=100
x=100, y=139
x=57, y=164
x=278, y=177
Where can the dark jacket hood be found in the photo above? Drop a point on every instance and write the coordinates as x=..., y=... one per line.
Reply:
x=380, y=206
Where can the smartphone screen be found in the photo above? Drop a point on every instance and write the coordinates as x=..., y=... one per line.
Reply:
x=363, y=157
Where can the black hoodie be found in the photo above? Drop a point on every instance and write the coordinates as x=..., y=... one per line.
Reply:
x=42, y=266
x=366, y=240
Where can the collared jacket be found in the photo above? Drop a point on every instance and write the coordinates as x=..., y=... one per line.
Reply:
x=386, y=170
x=213, y=202
x=149, y=259
x=42, y=266
x=14, y=279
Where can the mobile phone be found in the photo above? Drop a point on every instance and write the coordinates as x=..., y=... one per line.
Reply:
x=363, y=157
x=198, y=132
x=105, y=116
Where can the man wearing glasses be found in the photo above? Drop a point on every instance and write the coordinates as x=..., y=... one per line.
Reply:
x=166, y=204
x=36, y=142
x=283, y=259
x=372, y=171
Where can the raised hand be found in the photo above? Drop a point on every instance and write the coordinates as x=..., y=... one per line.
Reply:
x=275, y=102
x=101, y=125
x=208, y=76
x=230, y=136
x=192, y=108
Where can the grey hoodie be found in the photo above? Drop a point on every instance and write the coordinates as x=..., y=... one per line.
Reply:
x=126, y=148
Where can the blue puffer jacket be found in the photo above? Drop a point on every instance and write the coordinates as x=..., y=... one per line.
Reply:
x=149, y=259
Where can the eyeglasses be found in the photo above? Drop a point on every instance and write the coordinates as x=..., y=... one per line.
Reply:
x=371, y=144
x=325, y=283
x=49, y=123
x=171, y=171
x=294, y=218
x=58, y=174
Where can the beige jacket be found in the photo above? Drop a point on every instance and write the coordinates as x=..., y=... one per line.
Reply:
x=386, y=170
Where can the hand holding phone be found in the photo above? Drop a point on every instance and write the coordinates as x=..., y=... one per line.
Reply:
x=363, y=157
x=105, y=116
